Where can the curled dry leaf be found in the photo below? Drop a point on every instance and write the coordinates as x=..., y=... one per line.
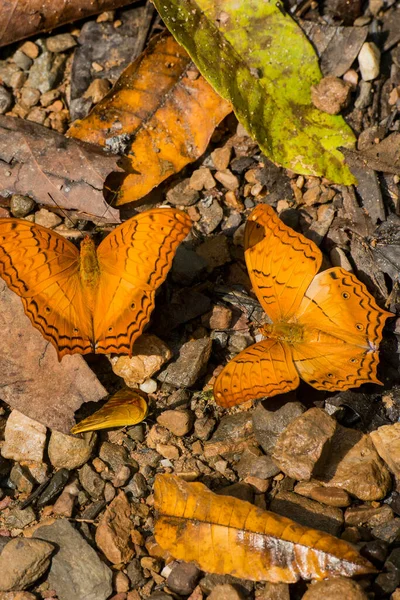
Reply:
x=126, y=407
x=225, y=535
x=164, y=105
x=21, y=18
x=38, y=162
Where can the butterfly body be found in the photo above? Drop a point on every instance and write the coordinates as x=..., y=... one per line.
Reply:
x=326, y=327
x=91, y=300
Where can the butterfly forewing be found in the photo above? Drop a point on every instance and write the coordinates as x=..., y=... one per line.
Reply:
x=42, y=267
x=264, y=369
x=281, y=263
x=134, y=261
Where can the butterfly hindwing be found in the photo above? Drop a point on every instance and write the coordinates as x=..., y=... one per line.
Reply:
x=43, y=268
x=332, y=364
x=280, y=261
x=264, y=369
x=134, y=261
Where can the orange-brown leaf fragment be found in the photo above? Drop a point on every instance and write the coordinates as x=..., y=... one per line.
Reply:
x=165, y=107
x=224, y=535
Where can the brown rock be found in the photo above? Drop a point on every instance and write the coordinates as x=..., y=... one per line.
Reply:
x=178, y=422
x=64, y=505
x=368, y=515
x=113, y=531
x=30, y=49
x=23, y=561
x=302, y=444
x=254, y=464
x=215, y=251
x=331, y=94
x=327, y=495
x=182, y=195
x=149, y=353
x=226, y=591
x=202, y=179
x=273, y=591
x=333, y=589
x=97, y=90
x=269, y=424
x=69, y=451
x=192, y=360
x=355, y=466
x=233, y=435
x=17, y=596
x=386, y=440
x=220, y=317
x=221, y=157
x=308, y=512
x=228, y=179
x=183, y=578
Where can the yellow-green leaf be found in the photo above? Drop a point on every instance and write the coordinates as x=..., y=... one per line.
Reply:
x=257, y=57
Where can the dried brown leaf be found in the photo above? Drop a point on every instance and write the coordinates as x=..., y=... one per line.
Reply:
x=165, y=106
x=41, y=163
x=224, y=535
x=32, y=379
x=21, y=18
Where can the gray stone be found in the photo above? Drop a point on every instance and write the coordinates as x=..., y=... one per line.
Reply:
x=183, y=578
x=252, y=465
x=19, y=518
x=182, y=195
x=21, y=478
x=29, y=96
x=192, y=360
x=60, y=42
x=22, y=562
x=91, y=482
x=22, y=60
x=76, y=570
x=69, y=452
x=308, y=512
x=115, y=456
x=7, y=71
x=211, y=215
x=135, y=574
x=137, y=486
x=46, y=71
x=21, y=206
x=269, y=424
x=6, y=100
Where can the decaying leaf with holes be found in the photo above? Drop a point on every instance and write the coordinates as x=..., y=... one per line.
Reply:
x=225, y=535
x=161, y=112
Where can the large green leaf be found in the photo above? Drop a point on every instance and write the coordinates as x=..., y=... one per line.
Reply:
x=257, y=57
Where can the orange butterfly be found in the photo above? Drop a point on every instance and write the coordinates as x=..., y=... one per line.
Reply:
x=91, y=301
x=326, y=328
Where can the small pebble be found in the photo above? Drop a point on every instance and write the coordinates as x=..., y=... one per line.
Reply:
x=369, y=61
x=60, y=42
x=30, y=49
x=47, y=218
x=30, y=96
x=21, y=206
